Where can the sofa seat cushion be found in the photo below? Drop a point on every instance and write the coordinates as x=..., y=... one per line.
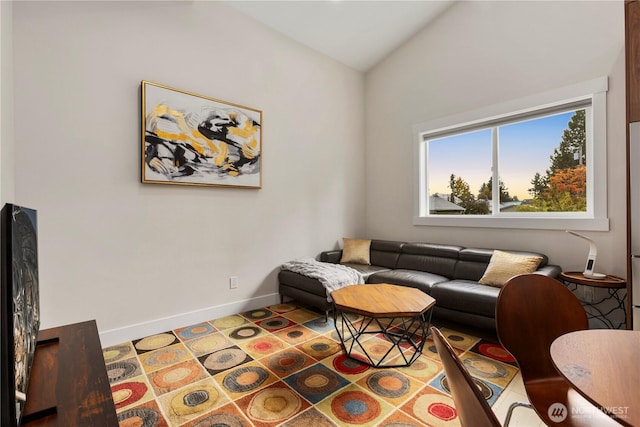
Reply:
x=313, y=286
x=415, y=279
x=466, y=296
x=366, y=270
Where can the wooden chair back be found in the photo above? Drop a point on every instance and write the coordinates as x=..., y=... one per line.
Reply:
x=473, y=409
x=532, y=311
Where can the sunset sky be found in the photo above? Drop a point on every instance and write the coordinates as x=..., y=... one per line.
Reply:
x=525, y=148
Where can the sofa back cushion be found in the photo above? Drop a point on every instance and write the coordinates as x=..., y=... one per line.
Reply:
x=385, y=253
x=474, y=261
x=433, y=258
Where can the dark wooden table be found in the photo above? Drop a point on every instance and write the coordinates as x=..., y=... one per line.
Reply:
x=602, y=365
x=608, y=281
x=69, y=385
x=398, y=313
x=604, y=309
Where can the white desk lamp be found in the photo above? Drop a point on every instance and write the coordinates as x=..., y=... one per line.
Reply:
x=591, y=258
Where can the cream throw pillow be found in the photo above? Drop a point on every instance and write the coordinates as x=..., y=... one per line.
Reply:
x=356, y=251
x=505, y=265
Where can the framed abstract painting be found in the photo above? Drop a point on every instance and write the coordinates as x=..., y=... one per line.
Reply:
x=190, y=139
x=19, y=308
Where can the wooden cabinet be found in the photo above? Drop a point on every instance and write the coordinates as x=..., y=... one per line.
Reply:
x=632, y=35
x=69, y=385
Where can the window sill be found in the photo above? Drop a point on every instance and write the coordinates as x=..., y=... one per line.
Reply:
x=587, y=224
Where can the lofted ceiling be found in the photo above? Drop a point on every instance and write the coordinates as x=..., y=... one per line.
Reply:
x=358, y=33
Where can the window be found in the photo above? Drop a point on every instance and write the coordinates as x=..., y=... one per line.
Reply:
x=547, y=153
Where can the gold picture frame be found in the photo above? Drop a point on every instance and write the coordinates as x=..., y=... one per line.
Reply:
x=191, y=139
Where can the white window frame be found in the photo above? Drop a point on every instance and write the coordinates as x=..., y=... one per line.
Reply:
x=594, y=219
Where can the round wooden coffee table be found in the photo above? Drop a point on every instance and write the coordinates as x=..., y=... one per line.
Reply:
x=382, y=325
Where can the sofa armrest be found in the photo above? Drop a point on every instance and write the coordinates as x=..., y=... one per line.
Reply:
x=550, y=270
x=333, y=256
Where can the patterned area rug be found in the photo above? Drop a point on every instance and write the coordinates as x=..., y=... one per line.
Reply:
x=283, y=365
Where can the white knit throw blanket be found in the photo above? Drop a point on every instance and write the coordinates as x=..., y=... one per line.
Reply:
x=332, y=276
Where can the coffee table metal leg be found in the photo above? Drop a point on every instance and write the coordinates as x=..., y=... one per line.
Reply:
x=410, y=332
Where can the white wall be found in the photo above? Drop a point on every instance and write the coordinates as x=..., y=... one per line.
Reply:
x=6, y=106
x=479, y=54
x=122, y=252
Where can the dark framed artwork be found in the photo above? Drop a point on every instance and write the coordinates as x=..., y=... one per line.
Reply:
x=190, y=139
x=20, y=308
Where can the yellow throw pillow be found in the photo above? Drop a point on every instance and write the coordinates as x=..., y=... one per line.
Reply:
x=505, y=265
x=356, y=251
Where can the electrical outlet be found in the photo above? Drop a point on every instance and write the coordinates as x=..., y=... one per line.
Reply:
x=233, y=282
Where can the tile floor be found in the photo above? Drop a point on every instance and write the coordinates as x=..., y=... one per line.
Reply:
x=522, y=417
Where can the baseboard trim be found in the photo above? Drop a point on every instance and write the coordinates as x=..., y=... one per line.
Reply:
x=132, y=332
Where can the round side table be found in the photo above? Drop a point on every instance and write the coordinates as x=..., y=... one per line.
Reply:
x=599, y=309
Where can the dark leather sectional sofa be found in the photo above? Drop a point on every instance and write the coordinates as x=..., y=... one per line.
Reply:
x=448, y=273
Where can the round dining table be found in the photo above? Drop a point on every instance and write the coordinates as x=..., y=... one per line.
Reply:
x=603, y=365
